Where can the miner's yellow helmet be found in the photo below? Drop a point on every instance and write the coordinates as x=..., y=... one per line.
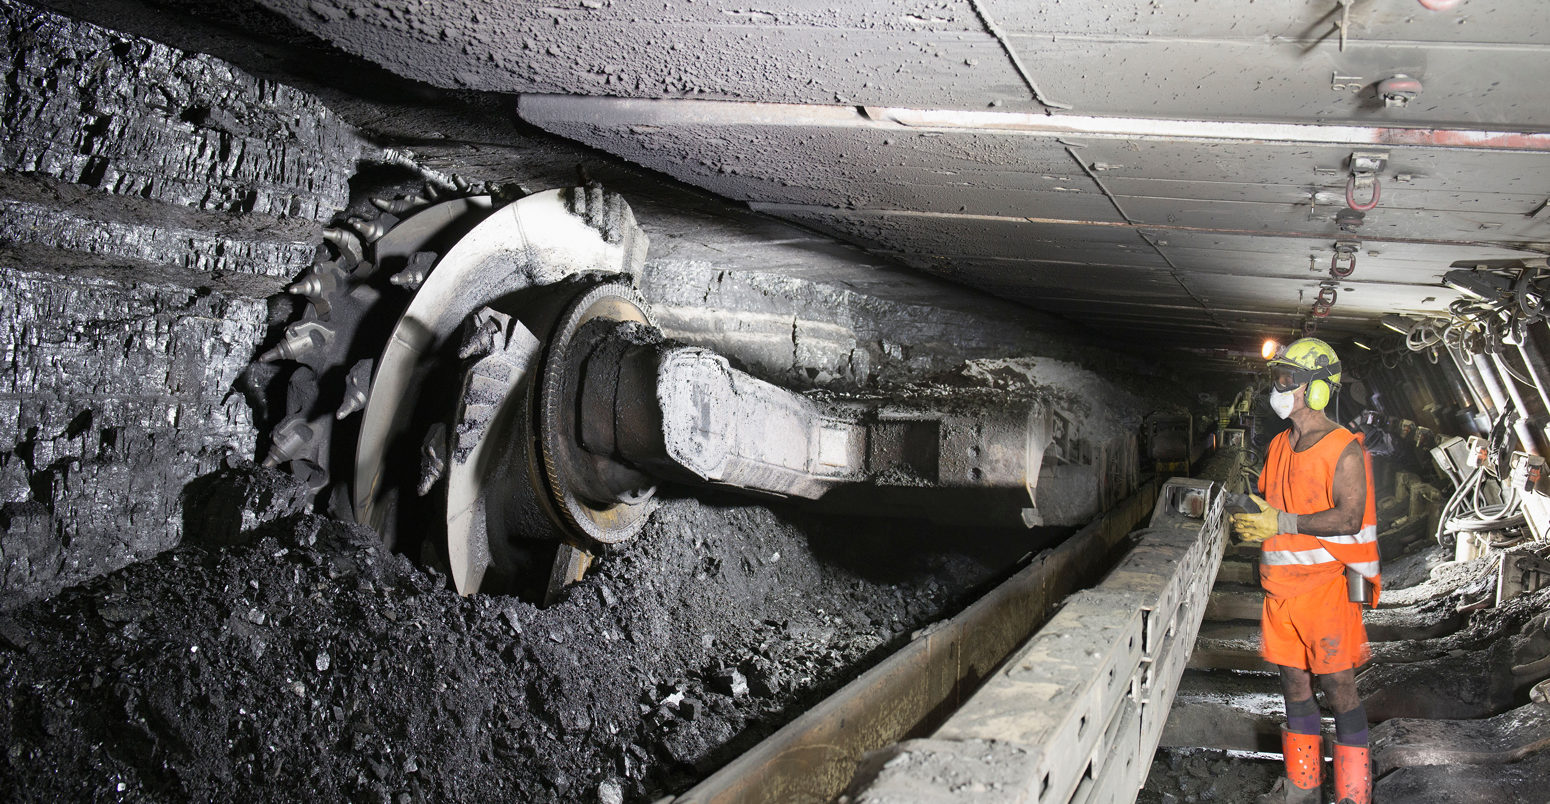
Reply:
x=1306, y=361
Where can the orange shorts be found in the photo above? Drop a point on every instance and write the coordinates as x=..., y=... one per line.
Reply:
x=1320, y=630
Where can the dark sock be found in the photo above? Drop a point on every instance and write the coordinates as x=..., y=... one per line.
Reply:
x=1351, y=727
x=1302, y=717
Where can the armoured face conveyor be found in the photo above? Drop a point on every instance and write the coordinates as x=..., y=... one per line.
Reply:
x=526, y=406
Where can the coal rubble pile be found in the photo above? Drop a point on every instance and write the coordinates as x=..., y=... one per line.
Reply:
x=302, y=662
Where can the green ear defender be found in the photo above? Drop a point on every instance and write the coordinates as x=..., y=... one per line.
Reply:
x=1318, y=394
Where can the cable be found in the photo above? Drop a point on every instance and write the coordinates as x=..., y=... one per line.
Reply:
x=1502, y=544
x=1468, y=510
x=1423, y=335
x=1515, y=375
x=1476, y=526
x=1453, y=501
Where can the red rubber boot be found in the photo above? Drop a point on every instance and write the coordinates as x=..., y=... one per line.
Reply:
x=1353, y=774
x=1304, y=762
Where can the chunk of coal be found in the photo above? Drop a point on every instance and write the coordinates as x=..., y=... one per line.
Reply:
x=690, y=709
x=763, y=685
x=730, y=682
x=227, y=506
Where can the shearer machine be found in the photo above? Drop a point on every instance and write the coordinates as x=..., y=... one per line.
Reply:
x=523, y=410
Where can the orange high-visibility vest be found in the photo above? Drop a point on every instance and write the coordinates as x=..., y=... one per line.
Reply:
x=1302, y=483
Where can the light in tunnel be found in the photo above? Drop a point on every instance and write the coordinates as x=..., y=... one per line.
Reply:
x=1398, y=323
x=1269, y=349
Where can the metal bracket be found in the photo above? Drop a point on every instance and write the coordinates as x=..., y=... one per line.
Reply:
x=1368, y=163
x=1346, y=83
x=1398, y=90
x=1519, y=574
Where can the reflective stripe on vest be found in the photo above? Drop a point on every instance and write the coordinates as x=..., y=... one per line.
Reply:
x=1318, y=555
x=1280, y=558
x=1363, y=536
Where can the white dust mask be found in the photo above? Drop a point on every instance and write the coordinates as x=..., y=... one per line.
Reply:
x=1282, y=401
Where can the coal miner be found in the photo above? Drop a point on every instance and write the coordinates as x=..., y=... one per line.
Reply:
x=1317, y=530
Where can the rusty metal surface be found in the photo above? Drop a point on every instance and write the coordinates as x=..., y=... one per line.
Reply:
x=813, y=757
x=598, y=499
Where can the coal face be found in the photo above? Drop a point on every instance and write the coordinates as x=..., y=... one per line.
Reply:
x=296, y=660
x=150, y=201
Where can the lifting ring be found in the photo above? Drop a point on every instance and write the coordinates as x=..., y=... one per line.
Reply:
x=1334, y=266
x=1325, y=302
x=1350, y=194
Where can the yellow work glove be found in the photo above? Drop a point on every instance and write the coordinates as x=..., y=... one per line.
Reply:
x=1255, y=528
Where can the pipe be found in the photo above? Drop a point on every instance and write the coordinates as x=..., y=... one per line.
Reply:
x=1379, y=377
x=1526, y=438
x=1523, y=375
x=1462, y=399
x=1395, y=403
x=1533, y=349
x=1477, y=385
x=1429, y=389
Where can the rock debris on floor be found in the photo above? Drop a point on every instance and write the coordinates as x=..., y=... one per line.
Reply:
x=303, y=663
x=1207, y=774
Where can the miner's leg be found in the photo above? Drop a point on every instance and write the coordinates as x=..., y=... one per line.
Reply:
x=1353, y=769
x=1300, y=741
